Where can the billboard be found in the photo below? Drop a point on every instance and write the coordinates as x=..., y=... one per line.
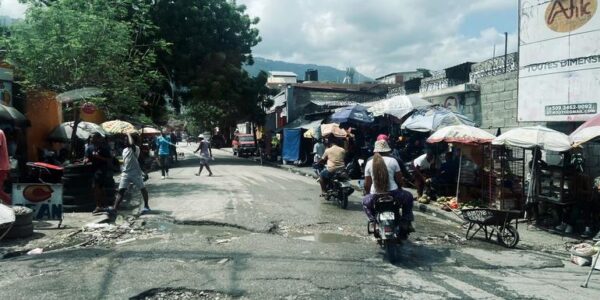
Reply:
x=45, y=199
x=559, y=57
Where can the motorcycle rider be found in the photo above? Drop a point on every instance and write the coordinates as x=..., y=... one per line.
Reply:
x=334, y=160
x=383, y=175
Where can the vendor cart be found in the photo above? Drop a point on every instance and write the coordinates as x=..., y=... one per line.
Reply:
x=493, y=221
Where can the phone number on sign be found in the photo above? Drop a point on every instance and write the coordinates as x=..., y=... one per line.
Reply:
x=571, y=109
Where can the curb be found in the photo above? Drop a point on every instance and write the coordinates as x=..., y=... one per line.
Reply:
x=427, y=209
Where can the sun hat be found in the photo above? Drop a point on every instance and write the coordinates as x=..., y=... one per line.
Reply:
x=383, y=137
x=201, y=136
x=382, y=146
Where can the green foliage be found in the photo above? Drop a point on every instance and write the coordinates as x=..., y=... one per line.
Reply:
x=211, y=40
x=138, y=51
x=72, y=44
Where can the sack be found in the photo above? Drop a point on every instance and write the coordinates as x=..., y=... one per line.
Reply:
x=581, y=261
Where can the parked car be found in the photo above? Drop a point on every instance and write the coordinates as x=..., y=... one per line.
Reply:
x=243, y=145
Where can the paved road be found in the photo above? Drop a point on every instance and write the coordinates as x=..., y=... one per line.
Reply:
x=262, y=233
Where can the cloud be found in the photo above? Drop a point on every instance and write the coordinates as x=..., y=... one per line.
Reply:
x=378, y=37
x=12, y=8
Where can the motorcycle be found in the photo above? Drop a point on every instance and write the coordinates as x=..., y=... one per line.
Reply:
x=339, y=189
x=388, y=229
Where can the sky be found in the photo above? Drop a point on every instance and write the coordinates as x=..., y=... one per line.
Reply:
x=376, y=37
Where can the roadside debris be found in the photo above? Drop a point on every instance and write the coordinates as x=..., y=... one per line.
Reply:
x=35, y=251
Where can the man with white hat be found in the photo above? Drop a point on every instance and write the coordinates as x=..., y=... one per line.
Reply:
x=205, y=155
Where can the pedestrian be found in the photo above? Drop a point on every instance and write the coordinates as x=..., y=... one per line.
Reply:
x=163, y=144
x=98, y=154
x=205, y=155
x=4, y=168
x=424, y=167
x=131, y=174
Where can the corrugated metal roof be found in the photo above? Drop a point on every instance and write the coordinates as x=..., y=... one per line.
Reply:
x=282, y=74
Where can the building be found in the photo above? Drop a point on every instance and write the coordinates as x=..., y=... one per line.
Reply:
x=279, y=77
x=401, y=77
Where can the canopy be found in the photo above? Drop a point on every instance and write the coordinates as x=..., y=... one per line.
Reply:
x=398, y=106
x=78, y=94
x=462, y=134
x=118, y=127
x=535, y=137
x=586, y=132
x=352, y=114
x=12, y=116
x=333, y=129
x=434, y=118
x=64, y=131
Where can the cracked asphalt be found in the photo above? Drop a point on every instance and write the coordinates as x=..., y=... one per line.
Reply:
x=257, y=232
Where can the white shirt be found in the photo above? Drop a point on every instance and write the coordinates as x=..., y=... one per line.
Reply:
x=130, y=160
x=392, y=168
x=422, y=162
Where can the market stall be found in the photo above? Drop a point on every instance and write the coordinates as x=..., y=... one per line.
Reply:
x=548, y=184
x=470, y=143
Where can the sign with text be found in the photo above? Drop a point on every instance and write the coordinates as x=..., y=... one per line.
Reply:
x=559, y=57
x=44, y=199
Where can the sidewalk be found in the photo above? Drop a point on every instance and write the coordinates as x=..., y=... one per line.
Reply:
x=531, y=237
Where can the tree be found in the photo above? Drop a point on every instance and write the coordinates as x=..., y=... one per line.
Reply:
x=210, y=41
x=72, y=44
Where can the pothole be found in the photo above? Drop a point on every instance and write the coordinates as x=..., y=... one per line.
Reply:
x=180, y=294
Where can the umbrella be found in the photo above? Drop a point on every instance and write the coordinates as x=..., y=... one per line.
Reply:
x=118, y=127
x=333, y=129
x=434, y=118
x=78, y=94
x=586, y=132
x=149, y=130
x=535, y=137
x=462, y=134
x=352, y=114
x=64, y=131
x=11, y=115
x=398, y=106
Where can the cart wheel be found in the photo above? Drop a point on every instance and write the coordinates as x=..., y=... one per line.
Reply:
x=508, y=237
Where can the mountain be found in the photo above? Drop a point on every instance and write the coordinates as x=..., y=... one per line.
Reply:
x=325, y=73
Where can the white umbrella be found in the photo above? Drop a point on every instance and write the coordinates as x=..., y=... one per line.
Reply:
x=398, y=106
x=7, y=218
x=462, y=134
x=535, y=137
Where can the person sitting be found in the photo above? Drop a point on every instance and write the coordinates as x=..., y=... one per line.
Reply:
x=448, y=170
x=333, y=157
x=423, y=167
x=383, y=176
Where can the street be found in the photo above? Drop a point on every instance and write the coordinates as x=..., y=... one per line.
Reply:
x=257, y=232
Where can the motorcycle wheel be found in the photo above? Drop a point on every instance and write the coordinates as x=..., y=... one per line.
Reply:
x=390, y=251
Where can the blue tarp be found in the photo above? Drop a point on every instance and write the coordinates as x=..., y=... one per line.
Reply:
x=291, y=144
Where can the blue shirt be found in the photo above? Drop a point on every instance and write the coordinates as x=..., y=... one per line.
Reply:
x=163, y=144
